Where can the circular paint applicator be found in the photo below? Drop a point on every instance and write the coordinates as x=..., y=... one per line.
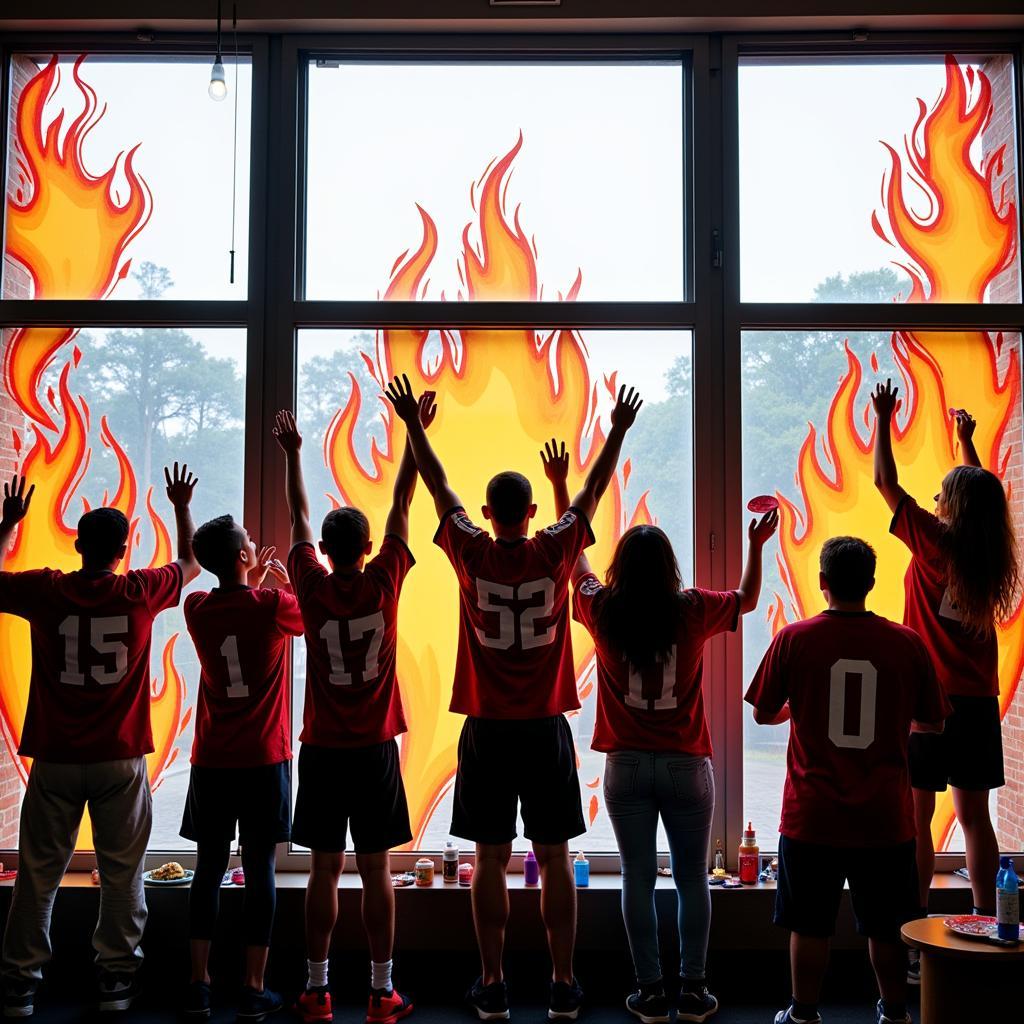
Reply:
x=763, y=503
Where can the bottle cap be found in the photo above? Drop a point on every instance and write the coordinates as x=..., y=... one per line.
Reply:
x=579, y=856
x=530, y=855
x=749, y=833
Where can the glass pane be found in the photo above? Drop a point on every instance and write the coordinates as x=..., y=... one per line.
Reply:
x=822, y=474
x=116, y=164
x=496, y=410
x=879, y=180
x=497, y=181
x=96, y=424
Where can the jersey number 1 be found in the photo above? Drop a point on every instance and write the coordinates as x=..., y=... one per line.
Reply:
x=666, y=700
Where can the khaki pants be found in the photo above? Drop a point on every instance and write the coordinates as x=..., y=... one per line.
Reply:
x=121, y=808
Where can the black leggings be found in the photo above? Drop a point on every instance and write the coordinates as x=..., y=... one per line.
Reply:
x=260, y=891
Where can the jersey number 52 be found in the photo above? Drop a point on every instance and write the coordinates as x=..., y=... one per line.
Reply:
x=488, y=595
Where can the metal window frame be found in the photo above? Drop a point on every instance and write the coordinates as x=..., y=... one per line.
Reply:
x=272, y=312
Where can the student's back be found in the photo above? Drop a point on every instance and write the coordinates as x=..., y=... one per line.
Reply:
x=89, y=692
x=854, y=682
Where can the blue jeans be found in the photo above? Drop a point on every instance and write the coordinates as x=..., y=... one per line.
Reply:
x=640, y=786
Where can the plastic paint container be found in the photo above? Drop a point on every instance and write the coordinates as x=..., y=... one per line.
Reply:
x=424, y=872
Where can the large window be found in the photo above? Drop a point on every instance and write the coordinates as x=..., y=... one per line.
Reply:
x=750, y=230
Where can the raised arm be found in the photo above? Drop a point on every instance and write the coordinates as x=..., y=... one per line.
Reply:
x=887, y=478
x=600, y=475
x=759, y=532
x=965, y=424
x=16, y=503
x=287, y=435
x=405, y=479
x=180, y=485
x=556, y=468
x=399, y=393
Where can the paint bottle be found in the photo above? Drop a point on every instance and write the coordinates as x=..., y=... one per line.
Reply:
x=581, y=870
x=531, y=869
x=424, y=872
x=750, y=856
x=465, y=874
x=719, y=869
x=1007, y=901
x=450, y=863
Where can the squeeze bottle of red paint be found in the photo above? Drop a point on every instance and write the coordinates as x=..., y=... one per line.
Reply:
x=749, y=856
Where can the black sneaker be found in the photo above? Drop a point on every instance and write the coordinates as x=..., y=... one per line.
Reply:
x=488, y=1002
x=19, y=998
x=881, y=1018
x=565, y=1000
x=651, y=1008
x=197, y=1001
x=696, y=1005
x=256, y=1006
x=117, y=991
x=786, y=1017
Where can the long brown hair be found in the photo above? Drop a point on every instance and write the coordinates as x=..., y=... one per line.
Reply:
x=638, y=611
x=980, y=547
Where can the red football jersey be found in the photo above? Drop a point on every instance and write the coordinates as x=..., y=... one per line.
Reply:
x=966, y=664
x=88, y=697
x=241, y=636
x=661, y=708
x=854, y=682
x=351, y=626
x=515, y=651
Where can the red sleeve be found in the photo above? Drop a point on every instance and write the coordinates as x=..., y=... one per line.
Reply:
x=162, y=586
x=931, y=705
x=304, y=569
x=289, y=618
x=392, y=563
x=918, y=529
x=21, y=593
x=563, y=542
x=769, y=691
x=457, y=536
x=721, y=610
x=586, y=589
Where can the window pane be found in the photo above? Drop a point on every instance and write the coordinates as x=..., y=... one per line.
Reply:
x=106, y=415
x=496, y=410
x=823, y=476
x=116, y=163
x=496, y=181
x=852, y=192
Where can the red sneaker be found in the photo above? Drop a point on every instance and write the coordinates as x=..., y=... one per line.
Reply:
x=314, y=1006
x=387, y=1007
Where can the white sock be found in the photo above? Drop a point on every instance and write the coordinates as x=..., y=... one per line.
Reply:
x=380, y=975
x=317, y=973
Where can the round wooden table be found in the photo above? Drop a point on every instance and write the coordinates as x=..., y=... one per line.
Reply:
x=964, y=979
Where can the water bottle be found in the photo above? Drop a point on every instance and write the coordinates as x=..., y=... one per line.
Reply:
x=1007, y=901
x=450, y=863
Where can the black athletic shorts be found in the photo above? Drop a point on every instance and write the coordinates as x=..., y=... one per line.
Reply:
x=256, y=800
x=967, y=754
x=507, y=762
x=350, y=787
x=882, y=879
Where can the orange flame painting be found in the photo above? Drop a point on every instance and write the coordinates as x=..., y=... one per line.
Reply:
x=953, y=252
x=69, y=233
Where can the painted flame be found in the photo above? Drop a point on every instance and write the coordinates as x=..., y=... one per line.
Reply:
x=505, y=393
x=953, y=253
x=67, y=232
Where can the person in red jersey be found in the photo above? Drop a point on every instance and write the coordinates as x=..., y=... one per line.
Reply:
x=87, y=730
x=241, y=750
x=514, y=679
x=962, y=579
x=853, y=686
x=649, y=635
x=349, y=772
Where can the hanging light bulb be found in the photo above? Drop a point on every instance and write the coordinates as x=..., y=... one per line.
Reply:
x=218, y=85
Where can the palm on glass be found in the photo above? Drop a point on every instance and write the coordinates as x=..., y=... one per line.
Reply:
x=16, y=500
x=556, y=461
x=180, y=485
x=426, y=409
x=626, y=408
x=884, y=399
x=286, y=433
x=760, y=531
x=407, y=407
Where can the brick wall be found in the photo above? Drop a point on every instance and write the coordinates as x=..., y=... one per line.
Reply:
x=1006, y=288
x=16, y=285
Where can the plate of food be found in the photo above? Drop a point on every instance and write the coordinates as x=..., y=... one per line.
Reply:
x=974, y=926
x=171, y=873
